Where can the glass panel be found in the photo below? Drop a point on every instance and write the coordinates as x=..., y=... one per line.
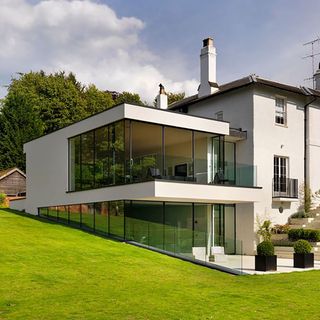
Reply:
x=217, y=174
x=218, y=220
x=43, y=212
x=116, y=218
x=101, y=157
x=87, y=160
x=229, y=163
x=101, y=217
x=178, y=228
x=229, y=227
x=116, y=140
x=87, y=216
x=74, y=215
x=74, y=164
x=178, y=154
x=203, y=157
x=63, y=214
x=201, y=216
x=144, y=223
x=201, y=234
x=52, y=212
x=146, y=151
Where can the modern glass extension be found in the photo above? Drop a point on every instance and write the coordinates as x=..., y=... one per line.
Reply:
x=193, y=230
x=131, y=151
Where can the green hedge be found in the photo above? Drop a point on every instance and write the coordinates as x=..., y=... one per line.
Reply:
x=306, y=234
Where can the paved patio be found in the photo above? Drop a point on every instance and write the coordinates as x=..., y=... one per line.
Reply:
x=283, y=266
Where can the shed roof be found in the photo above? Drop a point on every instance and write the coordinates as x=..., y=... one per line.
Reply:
x=7, y=172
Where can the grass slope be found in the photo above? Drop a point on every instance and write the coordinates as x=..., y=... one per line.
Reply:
x=49, y=271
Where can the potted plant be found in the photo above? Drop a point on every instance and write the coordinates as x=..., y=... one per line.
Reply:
x=265, y=260
x=302, y=257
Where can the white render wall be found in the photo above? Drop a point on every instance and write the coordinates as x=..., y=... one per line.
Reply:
x=271, y=139
x=313, y=149
x=253, y=110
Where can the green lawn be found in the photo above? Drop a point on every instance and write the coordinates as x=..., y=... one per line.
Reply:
x=50, y=271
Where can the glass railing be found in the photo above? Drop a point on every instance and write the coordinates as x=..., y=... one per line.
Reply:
x=149, y=167
x=237, y=174
x=187, y=244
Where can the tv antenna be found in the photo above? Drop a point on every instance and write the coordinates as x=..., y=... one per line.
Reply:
x=311, y=56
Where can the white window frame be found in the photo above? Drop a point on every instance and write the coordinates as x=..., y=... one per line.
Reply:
x=280, y=114
x=282, y=174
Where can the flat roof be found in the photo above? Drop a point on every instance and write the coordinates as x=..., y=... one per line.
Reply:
x=145, y=114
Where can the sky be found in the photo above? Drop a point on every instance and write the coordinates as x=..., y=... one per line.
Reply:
x=133, y=45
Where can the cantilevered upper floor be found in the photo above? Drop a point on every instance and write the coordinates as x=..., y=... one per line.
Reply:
x=129, y=144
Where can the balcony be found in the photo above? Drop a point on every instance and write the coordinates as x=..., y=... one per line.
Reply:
x=285, y=189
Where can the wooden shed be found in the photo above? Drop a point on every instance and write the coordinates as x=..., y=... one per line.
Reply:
x=12, y=182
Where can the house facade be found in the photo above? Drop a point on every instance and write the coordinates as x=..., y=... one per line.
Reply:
x=188, y=179
x=283, y=140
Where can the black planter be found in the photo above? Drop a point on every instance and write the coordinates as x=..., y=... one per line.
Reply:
x=266, y=263
x=303, y=260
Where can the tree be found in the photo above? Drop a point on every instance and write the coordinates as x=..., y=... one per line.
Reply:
x=37, y=103
x=127, y=97
x=305, y=198
x=172, y=97
x=97, y=100
x=18, y=124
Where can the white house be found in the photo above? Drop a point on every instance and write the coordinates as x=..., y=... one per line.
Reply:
x=283, y=137
x=188, y=180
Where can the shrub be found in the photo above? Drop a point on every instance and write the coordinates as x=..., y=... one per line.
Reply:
x=2, y=198
x=305, y=234
x=264, y=230
x=300, y=214
x=280, y=229
x=302, y=246
x=265, y=248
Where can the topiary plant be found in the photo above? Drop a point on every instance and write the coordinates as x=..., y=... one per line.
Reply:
x=302, y=246
x=265, y=248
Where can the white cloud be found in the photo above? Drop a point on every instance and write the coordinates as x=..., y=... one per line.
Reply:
x=84, y=37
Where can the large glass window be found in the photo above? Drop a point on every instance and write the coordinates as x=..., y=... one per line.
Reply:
x=201, y=222
x=116, y=218
x=116, y=152
x=63, y=214
x=101, y=217
x=178, y=228
x=87, y=160
x=229, y=163
x=75, y=215
x=102, y=174
x=132, y=151
x=229, y=227
x=87, y=216
x=146, y=151
x=178, y=154
x=203, y=157
x=144, y=223
x=52, y=213
x=43, y=212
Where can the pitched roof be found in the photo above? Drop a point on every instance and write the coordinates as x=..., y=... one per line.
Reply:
x=7, y=172
x=246, y=81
